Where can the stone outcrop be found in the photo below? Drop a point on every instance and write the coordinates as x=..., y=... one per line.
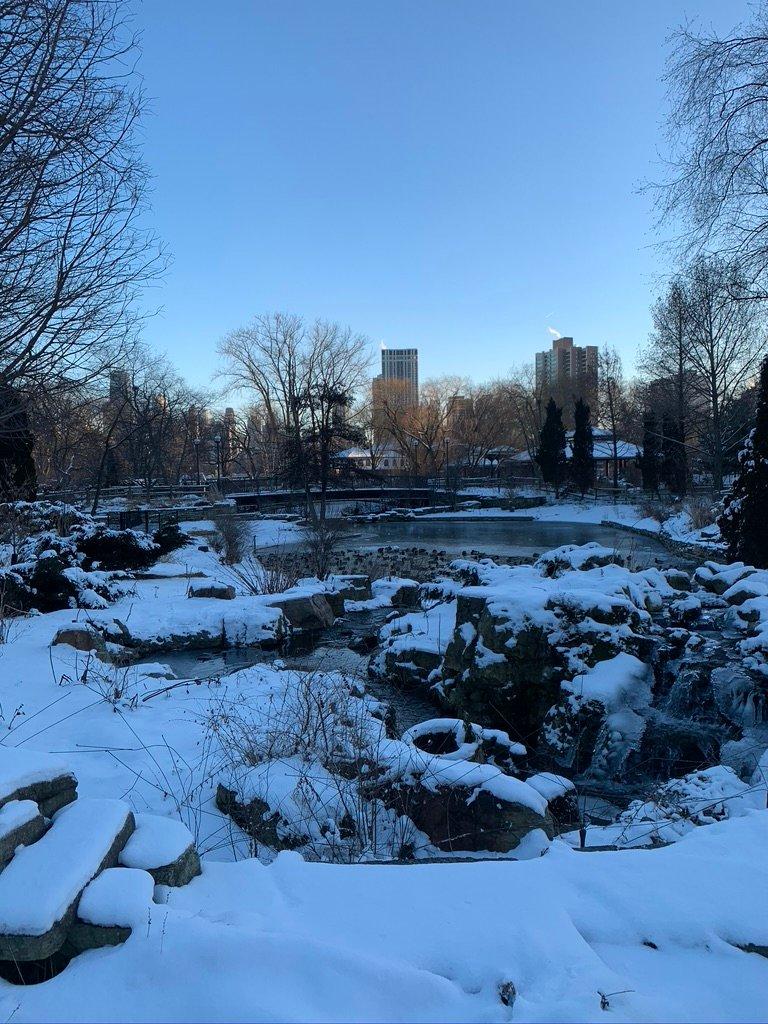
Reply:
x=456, y=817
x=82, y=638
x=46, y=866
x=219, y=591
x=306, y=611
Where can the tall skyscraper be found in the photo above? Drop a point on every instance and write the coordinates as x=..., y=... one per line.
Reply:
x=402, y=364
x=567, y=371
x=119, y=385
x=395, y=389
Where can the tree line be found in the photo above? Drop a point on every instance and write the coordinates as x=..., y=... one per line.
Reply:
x=83, y=403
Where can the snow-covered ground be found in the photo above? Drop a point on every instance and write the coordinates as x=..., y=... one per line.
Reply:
x=642, y=935
x=645, y=935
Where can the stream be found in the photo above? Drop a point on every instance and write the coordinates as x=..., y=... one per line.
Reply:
x=326, y=651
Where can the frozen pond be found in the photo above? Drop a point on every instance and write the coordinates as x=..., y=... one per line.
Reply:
x=520, y=537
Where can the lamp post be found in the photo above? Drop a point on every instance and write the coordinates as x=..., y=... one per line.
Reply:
x=196, y=443
x=217, y=442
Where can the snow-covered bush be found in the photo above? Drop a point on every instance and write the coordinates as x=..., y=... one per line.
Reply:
x=105, y=548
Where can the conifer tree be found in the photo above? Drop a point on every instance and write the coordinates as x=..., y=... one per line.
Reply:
x=674, y=462
x=651, y=457
x=743, y=519
x=583, y=458
x=551, y=454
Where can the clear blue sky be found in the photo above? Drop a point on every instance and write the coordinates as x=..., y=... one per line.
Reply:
x=455, y=175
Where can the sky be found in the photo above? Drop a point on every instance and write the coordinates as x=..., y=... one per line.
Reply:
x=454, y=175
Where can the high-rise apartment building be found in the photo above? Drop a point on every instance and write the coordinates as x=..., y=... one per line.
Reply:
x=567, y=371
x=402, y=364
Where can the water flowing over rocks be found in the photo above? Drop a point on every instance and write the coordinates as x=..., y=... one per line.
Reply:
x=594, y=664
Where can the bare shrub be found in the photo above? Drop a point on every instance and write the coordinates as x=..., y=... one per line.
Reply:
x=116, y=685
x=322, y=539
x=9, y=615
x=651, y=508
x=256, y=578
x=309, y=754
x=701, y=512
x=233, y=537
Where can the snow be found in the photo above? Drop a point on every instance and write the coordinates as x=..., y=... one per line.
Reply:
x=382, y=590
x=297, y=940
x=21, y=768
x=467, y=736
x=156, y=842
x=58, y=866
x=617, y=682
x=550, y=786
x=118, y=896
x=290, y=942
x=16, y=813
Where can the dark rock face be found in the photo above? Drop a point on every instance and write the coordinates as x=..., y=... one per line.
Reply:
x=499, y=675
x=457, y=818
x=83, y=936
x=255, y=819
x=180, y=871
x=216, y=590
x=411, y=666
x=570, y=732
x=406, y=596
x=311, y=611
x=353, y=586
x=23, y=835
x=82, y=638
x=50, y=795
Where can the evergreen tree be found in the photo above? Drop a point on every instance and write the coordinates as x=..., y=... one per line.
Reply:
x=583, y=459
x=18, y=479
x=742, y=521
x=551, y=454
x=650, y=459
x=674, y=461
x=111, y=477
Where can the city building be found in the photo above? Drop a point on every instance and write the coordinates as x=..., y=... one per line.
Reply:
x=395, y=389
x=566, y=372
x=119, y=385
x=402, y=364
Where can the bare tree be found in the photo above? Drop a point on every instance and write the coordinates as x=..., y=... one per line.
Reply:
x=304, y=378
x=725, y=339
x=73, y=251
x=526, y=404
x=718, y=146
x=666, y=370
x=612, y=399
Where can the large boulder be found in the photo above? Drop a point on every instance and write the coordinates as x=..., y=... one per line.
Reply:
x=469, y=809
x=306, y=611
x=497, y=673
x=82, y=638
